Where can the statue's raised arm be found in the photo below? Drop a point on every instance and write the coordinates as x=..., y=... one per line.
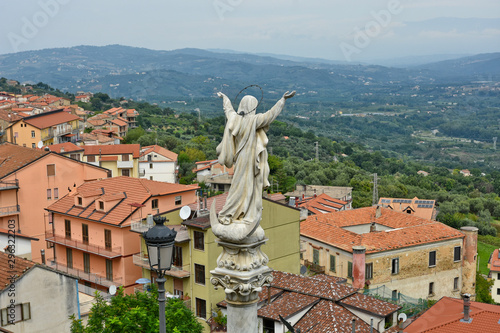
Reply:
x=244, y=146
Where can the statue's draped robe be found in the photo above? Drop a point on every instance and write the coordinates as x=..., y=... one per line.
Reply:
x=244, y=146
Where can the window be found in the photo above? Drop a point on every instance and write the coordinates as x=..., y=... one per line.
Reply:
x=316, y=256
x=32, y=134
x=126, y=172
x=178, y=200
x=431, y=289
x=80, y=201
x=154, y=204
x=432, y=258
x=49, y=194
x=107, y=239
x=20, y=312
x=395, y=266
x=150, y=158
x=268, y=325
x=101, y=205
x=457, y=253
x=67, y=228
x=349, y=269
x=109, y=270
x=151, y=165
x=51, y=169
x=199, y=240
x=455, y=283
x=332, y=263
x=201, y=308
x=125, y=157
x=395, y=295
x=199, y=274
x=56, y=193
x=369, y=271
x=75, y=156
x=85, y=233
x=150, y=177
x=177, y=257
x=498, y=276
x=91, y=158
x=498, y=291
x=69, y=257
x=86, y=262
x=33, y=145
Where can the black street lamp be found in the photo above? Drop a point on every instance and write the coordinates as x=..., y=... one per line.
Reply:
x=160, y=243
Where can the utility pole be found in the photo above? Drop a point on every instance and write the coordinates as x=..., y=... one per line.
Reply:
x=317, y=151
x=270, y=150
x=375, y=190
x=495, y=143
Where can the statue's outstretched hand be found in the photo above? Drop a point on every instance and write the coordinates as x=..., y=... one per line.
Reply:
x=221, y=95
x=288, y=95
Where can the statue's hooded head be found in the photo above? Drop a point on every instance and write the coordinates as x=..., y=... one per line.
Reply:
x=248, y=105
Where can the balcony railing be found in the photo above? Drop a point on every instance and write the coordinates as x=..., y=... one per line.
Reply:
x=9, y=184
x=91, y=277
x=108, y=252
x=140, y=260
x=142, y=172
x=10, y=210
x=141, y=226
x=314, y=267
x=124, y=164
x=59, y=131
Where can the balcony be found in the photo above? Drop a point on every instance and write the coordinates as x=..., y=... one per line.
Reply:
x=124, y=164
x=91, y=277
x=108, y=252
x=142, y=261
x=10, y=210
x=314, y=267
x=9, y=184
x=141, y=226
x=142, y=172
x=58, y=131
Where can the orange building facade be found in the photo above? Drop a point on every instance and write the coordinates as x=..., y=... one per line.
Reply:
x=90, y=229
x=31, y=180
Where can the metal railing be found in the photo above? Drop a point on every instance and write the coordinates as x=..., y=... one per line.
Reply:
x=141, y=226
x=314, y=267
x=9, y=184
x=10, y=210
x=109, y=252
x=91, y=277
x=140, y=260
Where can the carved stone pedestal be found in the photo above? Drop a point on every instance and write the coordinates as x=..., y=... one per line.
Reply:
x=241, y=271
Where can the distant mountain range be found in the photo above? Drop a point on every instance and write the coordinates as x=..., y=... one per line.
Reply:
x=152, y=75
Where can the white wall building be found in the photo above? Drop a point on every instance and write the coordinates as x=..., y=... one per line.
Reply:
x=158, y=163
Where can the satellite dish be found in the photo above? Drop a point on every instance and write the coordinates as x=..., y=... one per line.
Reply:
x=112, y=290
x=40, y=144
x=402, y=317
x=185, y=212
x=303, y=270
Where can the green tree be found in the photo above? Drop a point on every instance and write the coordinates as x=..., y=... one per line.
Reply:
x=136, y=313
x=483, y=287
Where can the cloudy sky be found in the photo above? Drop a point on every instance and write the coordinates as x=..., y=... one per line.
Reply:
x=357, y=30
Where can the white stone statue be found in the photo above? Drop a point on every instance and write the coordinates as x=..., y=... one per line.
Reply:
x=244, y=147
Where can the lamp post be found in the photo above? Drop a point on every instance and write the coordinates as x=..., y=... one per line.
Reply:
x=160, y=242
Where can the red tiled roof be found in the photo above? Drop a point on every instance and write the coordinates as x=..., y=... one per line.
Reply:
x=160, y=150
x=47, y=119
x=277, y=197
x=370, y=304
x=67, y=147
x=407, y=230
x=322, y=204
x=286, y=305
x=9, y=268
x=137, y=191
x=9, y=116
x=113, y=150
x=14, y=157
x=495, y=261
x=445, y=316
x=109, y=158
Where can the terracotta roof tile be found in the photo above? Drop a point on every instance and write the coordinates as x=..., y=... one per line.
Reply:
x=137, y=191
x=51, y=118
x=495, y=261
x=66, y=146
x=286, y=305
x=14, y=157
x=407, y=230
x=322, y=204
x=9, y=269
x=162, y=151
x=445, y=316
x=370, y=304
x=113, y=150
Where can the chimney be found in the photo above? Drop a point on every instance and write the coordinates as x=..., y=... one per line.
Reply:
x=42, y=252
x=358, y=266
x=314, y=193
x=378, y=212
x=353, y=325
x=373, y=228
x=467, y=318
